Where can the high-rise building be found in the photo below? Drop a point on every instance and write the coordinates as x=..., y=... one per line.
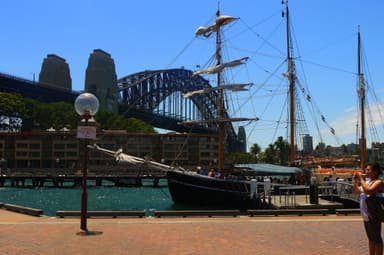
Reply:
x=307, y=144
x=55, y=72
x=101, y=80
x=242, y=139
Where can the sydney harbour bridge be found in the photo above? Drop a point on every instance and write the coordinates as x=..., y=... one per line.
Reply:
x=155, y=97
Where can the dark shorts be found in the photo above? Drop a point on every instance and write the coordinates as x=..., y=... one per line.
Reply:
x=373, y=230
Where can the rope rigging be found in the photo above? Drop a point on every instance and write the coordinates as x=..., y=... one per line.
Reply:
x=373, y=110
x=239, y=103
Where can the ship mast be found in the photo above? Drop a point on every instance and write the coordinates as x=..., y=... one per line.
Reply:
x=291, y=78
x=220, y=100
x=361, y=93
x=221, y=119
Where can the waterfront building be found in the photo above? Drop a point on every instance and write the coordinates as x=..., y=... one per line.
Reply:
x=352, y=148
x=44, y=151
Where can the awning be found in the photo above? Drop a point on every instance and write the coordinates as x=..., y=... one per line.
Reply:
x=269, y=169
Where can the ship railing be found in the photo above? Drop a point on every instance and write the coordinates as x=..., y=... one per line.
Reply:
x=257, y=187
x=287, y=194
x=263, y=191
x=341, y=188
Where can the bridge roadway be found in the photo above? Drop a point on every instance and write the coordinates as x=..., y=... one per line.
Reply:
x=299, y=235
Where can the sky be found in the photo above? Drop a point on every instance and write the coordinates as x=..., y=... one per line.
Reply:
x=149, y=35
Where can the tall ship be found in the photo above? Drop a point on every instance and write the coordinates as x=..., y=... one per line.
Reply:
x=224, y=188
x=230, y=191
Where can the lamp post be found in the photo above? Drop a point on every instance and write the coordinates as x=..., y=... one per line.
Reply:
x=86, y=105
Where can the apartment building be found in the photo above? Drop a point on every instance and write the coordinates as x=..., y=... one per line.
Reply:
x=62, y=150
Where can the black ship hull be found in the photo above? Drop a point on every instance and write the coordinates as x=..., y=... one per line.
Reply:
x=194, y=189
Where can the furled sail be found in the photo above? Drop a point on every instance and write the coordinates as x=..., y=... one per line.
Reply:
x=222, y=120
x=219, y=68
x=121, y=157
x=232, y=87
x=220, y=21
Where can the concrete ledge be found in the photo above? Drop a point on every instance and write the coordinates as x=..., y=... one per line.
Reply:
x=354, y=211
x=196, y=213
x=113, y=214
x=23, y=209
x=277, y=212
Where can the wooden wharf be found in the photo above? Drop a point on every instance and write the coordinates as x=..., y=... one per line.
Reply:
x=60, y=181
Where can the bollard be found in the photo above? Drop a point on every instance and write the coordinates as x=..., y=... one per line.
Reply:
x=313, y=192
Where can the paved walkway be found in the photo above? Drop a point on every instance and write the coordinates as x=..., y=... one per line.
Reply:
x=309, y=235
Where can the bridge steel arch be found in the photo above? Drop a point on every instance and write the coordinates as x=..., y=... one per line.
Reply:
x=144, y=92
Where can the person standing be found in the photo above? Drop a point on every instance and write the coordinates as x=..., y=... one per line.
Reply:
x=365, y=188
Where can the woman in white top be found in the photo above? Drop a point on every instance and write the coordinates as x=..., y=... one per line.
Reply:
x=370, y=188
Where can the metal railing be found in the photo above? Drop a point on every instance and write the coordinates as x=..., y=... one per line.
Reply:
x=342, y=189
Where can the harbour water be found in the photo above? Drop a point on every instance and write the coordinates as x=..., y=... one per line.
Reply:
x=108, y=197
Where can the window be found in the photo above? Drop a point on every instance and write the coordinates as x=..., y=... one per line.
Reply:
x=71, y=154
x=22, y=146
x=21, y=154
x=34, y=146
x=34, y=154
x=71, y=146
x=59, y=146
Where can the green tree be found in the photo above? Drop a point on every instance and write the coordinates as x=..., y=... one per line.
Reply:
x=46, y=115
x=282, y=149
x=63, y=115
x=255, y=149
x=276, y=153
x=18, y=114
x=241, y=158
x=11, y=103
x=344, y=149
x=111, y=121
x=328, y=151
x=269, y=154
x=12, y=108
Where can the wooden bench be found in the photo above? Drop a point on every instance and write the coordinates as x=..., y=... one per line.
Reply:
x=277, y=212
x=196, y=213
x=23, y=209
x=113, y=214
x=354, y=211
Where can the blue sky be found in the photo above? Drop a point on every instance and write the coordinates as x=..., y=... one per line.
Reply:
x=148, y=34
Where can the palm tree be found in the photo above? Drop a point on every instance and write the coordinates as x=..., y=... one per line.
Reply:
x=282, y=149
x=255, y=151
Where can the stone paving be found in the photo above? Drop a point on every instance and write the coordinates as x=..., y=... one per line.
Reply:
x=309, y=235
